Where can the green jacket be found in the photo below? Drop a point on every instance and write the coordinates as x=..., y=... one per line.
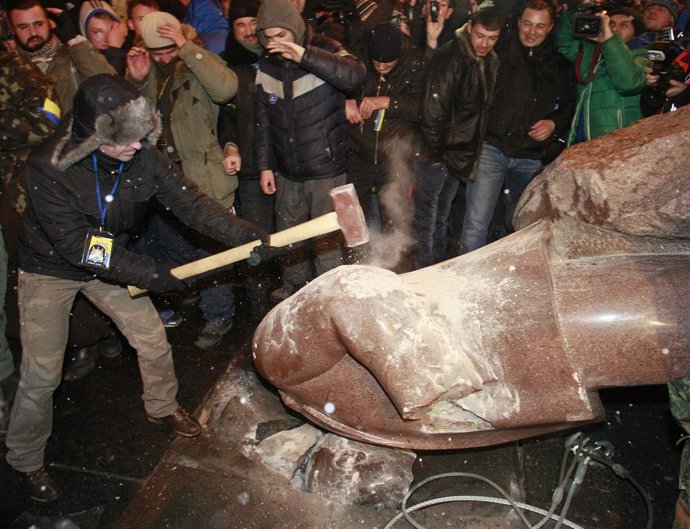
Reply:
x=608, y=98
x=71, y=65
x=201, y=82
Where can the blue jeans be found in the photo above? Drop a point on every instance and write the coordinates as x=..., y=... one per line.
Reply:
x=172, y=243
x=495, y=168
x=433, y=196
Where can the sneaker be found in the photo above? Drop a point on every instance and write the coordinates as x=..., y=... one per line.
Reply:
x=170, y=318
x=212, y=333
x=282, y=293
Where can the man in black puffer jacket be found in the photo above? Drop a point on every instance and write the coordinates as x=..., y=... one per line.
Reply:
x=88, y=188
x=300, y=144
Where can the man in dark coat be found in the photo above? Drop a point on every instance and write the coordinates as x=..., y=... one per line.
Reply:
x=459, y=86
x=383, y=134
x=533, y=104
x=300, y=142
x=236, y=126
x=88, y=188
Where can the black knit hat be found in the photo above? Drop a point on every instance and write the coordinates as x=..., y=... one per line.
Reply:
x=242, y=9
x=107, y=110
x=385, y=43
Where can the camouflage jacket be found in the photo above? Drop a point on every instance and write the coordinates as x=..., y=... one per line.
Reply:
x=23, y=124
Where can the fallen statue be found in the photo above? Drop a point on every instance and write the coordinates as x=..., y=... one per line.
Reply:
x=515, y=339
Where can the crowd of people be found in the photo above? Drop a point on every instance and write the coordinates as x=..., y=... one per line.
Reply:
x=145, y=134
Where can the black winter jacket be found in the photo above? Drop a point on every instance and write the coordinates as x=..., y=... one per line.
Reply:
x=236, y=121
x=300, y=110
x=532, y=84
x=405, y=86
x=63, y=207
x=457, y=96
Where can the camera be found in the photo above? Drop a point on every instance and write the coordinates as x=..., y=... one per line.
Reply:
x=662, y=53
x=433, y=10
x=586, y=21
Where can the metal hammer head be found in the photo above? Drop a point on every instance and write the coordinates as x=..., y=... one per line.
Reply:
x=350, y=215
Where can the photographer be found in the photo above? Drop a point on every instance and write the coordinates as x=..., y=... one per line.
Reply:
x=667, y=85
x=610, y=75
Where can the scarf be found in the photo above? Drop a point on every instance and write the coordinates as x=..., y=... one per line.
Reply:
x=43, y=56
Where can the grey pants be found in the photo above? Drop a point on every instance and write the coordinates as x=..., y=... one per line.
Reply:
x=298, y=202
x=44, y=307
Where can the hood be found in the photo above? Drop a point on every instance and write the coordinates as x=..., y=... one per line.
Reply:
x=280, y=14
x=93, y=7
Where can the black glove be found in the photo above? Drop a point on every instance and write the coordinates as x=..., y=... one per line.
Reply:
x=162, y=280
x=65, y=29
x=264, y=252
x=243, y=232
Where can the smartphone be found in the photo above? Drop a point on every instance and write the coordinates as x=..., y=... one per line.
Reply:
x=433, y=10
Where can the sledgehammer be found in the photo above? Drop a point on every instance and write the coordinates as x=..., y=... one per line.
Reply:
x=347, y=217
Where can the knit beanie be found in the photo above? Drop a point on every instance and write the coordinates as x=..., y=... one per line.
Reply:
x=242, y=9
x=385, y=43
x=149, y=30
x=668, y=4
x=93, y=7
x=280, y=14
x=108, y=110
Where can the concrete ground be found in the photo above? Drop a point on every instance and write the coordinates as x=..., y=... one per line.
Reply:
x=117, y=471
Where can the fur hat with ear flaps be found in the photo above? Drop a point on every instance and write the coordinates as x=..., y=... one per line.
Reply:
x=107, y=110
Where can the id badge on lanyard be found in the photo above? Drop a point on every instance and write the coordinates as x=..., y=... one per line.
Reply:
x=98, y=246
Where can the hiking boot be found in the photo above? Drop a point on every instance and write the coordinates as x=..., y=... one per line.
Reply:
x=110, y=348
x=180, y=421
x=81, y=362
x=39, y=485
x=212, y=333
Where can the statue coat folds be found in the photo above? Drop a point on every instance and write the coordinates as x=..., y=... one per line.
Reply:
x=515, y=339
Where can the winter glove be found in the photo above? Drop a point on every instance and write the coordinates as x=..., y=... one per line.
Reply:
x=163, y=281
x=264, y=252
x=244, y=232
x=65, y=29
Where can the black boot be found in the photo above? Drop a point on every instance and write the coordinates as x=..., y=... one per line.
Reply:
x=111, y=350
x=80, y=363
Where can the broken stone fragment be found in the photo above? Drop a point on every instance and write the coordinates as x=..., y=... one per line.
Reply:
x=284, y=451
x=352, y=473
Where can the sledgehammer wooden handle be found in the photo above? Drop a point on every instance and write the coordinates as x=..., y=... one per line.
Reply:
x=312, y=228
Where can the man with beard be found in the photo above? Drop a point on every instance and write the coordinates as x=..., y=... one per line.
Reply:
x=187, y=83
x=66, y=58
x=57, y=49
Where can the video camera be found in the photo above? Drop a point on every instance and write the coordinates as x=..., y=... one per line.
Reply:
x=586, y=21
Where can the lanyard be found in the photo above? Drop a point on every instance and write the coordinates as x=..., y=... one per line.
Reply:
x=110, y=196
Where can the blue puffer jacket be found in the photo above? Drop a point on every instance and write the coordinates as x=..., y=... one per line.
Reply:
x=300, y=110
